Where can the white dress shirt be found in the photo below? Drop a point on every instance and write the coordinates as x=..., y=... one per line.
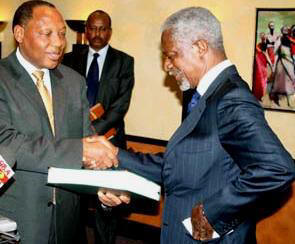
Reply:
x=211, y=75
x=100, y=60
x=30, y=68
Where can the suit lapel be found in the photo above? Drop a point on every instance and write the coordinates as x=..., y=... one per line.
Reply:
x=193, y=118
x=58, y=98
x=107, y=64
x=25, y=84
x=104, y=79
x=187, y=125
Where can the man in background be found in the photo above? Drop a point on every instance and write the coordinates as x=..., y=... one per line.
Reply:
x=109, y=75
x=224, y=159
x=43, y=123
x=115, y=79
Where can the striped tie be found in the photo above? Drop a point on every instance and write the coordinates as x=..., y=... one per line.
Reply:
x=47, y=99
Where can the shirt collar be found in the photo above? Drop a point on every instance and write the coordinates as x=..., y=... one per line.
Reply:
x=102, y=52
x=211, y=75
x=30, y=68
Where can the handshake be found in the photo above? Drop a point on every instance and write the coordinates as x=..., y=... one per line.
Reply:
x=99, y=153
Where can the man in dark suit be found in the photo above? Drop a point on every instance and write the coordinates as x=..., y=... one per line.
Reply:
x=115, y=80
x=116, y=75
x=43, y=124
x=224, y=159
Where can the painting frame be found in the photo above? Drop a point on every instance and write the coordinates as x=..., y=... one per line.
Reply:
x=273, y=80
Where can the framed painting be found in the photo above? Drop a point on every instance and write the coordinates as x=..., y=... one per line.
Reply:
x=274, y=59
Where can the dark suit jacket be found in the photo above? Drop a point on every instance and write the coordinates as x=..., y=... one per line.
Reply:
x=186, y=98
x=223, y=155
x=25, y=131
x=116, y=83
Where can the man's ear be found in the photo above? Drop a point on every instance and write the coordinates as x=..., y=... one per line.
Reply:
x=18, y=32
x=110, y=34
x=201, y=46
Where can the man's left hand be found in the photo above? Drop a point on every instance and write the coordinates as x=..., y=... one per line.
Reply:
x=202, y=230
x=112, y=199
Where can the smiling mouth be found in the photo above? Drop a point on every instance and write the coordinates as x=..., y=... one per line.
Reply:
x=54, y=56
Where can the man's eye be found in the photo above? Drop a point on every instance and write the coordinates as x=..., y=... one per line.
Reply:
x=100, y=29
x=46, y=33
x=63, y=34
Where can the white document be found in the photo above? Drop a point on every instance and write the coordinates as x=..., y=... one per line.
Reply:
x=90, y=181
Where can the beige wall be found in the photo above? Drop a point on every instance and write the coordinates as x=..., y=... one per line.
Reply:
x=155, y=109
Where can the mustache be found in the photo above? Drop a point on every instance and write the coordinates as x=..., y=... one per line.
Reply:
x=97, y=39
x=174, y=72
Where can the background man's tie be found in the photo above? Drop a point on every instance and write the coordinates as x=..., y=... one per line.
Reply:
x=92, y=80
x=47, y=99
x=194, y=101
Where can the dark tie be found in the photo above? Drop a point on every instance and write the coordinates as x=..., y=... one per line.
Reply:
x=194, y=101
x=92, y=80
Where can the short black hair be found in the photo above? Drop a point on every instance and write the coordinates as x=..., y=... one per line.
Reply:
x=25, y=11
x=100, y=12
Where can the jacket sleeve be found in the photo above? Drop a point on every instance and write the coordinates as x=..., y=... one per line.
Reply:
x=144, y=164
x=265, y=166
x=119, y=106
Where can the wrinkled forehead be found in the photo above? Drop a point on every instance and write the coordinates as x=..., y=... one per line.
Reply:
x=167, y=41
x=171, y=42
x=47, y=14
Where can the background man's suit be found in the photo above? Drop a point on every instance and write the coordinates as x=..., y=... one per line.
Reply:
x=25, y=130
x=116, y=83
x=223, y=155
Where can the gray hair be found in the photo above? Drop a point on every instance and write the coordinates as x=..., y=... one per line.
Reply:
x=191, y=24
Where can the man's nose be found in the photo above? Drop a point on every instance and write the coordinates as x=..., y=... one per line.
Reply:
x=167, y=65
x=98, y=31
x=58, y=40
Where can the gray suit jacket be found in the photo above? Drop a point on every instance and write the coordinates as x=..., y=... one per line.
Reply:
x=223, y=155
x=27, y=142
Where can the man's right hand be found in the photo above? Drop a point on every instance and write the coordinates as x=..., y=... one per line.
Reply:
x=98, y=153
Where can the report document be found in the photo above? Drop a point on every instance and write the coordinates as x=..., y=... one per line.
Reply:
x=90, y=181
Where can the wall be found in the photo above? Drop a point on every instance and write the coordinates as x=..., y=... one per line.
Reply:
x=155, y=109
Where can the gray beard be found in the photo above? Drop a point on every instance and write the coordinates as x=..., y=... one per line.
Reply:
x=184, y=85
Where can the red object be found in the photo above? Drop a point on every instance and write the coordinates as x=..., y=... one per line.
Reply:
x=3, y=177
x=260, y=75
